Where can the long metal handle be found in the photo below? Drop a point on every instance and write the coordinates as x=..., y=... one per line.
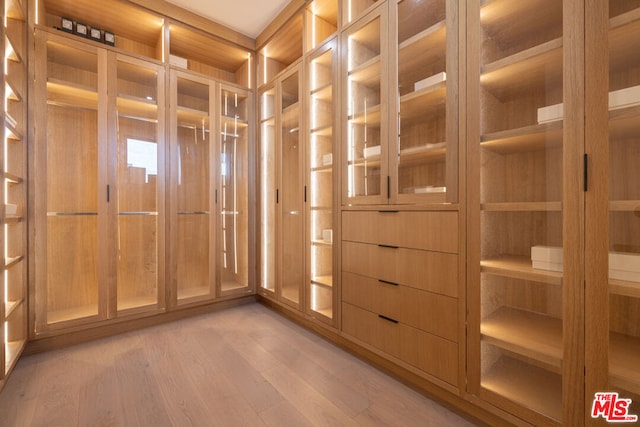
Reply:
x=72, y=213
x=193, y=213
x=138, y=213
x=388, y=319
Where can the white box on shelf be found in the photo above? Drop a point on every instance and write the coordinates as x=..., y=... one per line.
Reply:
x=10, y=209
x=327, y=235
x=545, y=265
x=550, y=113
x=627, y=276
x=624, y=261
x=178, y=61
x=371, y=151
x=327, y=159
x=551, y=254
x=627, y=97
x=430, y=81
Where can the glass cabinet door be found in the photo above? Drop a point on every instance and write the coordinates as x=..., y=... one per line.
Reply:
x=192, y=183
x=139, y=184
x=268, y=189
x=427, y=118
x=320, y=196
x=521, y=282
x=624, y=200
x=234, y=188
x=364, y=74
x=353, y=9
x=71, y=201
x=291, y=195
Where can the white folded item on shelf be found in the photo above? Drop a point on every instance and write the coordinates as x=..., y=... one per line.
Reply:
x=10, y=209
x=546, y=258
x=178, y=61
x=327, y=235
x=623, y=98
x=327, y=159
x=371, y=151
x=430, y=81
x=424, y=190
x=624, y=266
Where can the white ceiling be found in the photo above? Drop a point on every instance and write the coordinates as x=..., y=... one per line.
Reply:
x=249, y=17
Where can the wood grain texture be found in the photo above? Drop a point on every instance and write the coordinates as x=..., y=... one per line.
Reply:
x=241, y=366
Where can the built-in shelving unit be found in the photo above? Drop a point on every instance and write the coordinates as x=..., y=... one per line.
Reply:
x=624, y=198
x=321, y=154
x=521, y=347
x=13, y=193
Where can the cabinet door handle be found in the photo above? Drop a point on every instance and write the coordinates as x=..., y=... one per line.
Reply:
x=108, y=193
x=388, y=319
x=388, y=246
x=277, y=196
x=388, y=211
x=386, y=282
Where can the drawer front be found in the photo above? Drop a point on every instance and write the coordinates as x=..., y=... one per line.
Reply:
x=433, y=313
x=434, y=231
x=429, y=271
x=429, y=353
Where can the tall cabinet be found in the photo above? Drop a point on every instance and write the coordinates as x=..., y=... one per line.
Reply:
x=13, y=194
x=100, y=171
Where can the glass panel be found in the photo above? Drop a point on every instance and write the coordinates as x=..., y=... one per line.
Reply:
x=624, y=200
x=194, y=190
x=291, y=197
x=71, y=183
x=364, y=69
x=321, y=146
x=353, y=9
x=137, y=201
x=268, y=185
x=521, y=89
x=422, y=92
x=321, y=21
x=234, y=169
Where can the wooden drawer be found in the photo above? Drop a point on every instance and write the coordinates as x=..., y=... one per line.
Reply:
x=435, y=231
x=430, y=271
x=429, y=353
x=437, y=314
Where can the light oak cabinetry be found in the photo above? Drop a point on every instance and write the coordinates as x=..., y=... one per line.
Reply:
x=400, y=291
x=322, y=200
x=623, y=250
x=400, y=109
x=129, y=223
x=13, y=194
x=100, y=222
x=282, y=188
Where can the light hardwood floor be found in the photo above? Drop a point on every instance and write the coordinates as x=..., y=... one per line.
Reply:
x=245, y=366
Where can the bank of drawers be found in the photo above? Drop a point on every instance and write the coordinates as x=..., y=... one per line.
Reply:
x=400, y=286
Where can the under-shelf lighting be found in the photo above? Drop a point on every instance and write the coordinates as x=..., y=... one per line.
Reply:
x=264, y=65
x=249, y=70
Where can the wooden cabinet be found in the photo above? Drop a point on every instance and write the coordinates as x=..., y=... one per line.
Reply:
x=521, y=355
x=234, y=206
x=13, y=192
x=209, y=188
x=193, y=185
x=400, y=293
x=400, y=109
x=99, y=157
x=282, y=188
x=322, y=202
x=623, y=251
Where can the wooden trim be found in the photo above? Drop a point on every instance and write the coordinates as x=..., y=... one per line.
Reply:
x=463, y=407
x=596, y=230
x=274, y=26
x=119, y=326
x=179, y=14
x=573, y=214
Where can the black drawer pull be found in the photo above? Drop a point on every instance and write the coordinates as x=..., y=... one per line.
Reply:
x=386, y=282
x=388, y=319
x=388, y=211
x=388, y=246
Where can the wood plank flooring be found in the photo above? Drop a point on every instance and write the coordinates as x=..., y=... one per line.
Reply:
x=244, y=366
